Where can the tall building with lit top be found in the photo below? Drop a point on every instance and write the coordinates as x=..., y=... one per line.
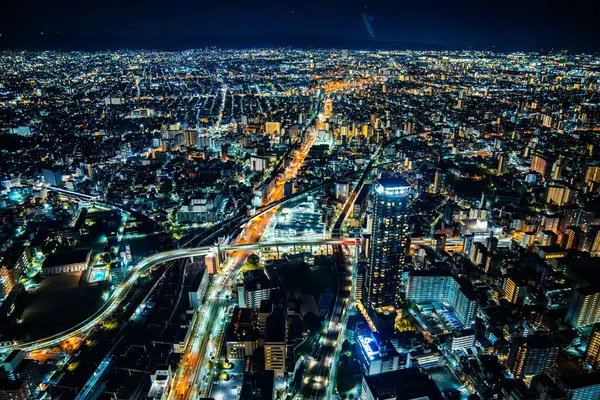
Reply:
x=378, y=356
x=390, y=244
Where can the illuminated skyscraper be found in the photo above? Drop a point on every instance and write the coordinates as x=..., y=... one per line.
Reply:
x=557, y=169
x=389, y=245
x=7, y=281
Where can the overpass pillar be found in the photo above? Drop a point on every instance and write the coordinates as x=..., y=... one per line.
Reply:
x=220, y=256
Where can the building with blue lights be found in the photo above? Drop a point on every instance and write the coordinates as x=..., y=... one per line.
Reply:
x=377, y=356
x=582, y=387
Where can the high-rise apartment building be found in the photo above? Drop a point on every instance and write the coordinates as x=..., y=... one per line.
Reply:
x=558, y=168
x=531, y=356
x=275, y=344
x=573, y=238
x=478, y=254
x=592, y=354
x=584, y=308
x=548, y=238
x=550, y=221
x=272, y=127
x=389, y=245
x=541, y=165
x=255, y=289
x=568, y=215
x=190, y=138
x=439, y=286
x=438, y=242
x=52, y=176
x=514, y=288
x=559, y=194
x=592, y=174
x=501, y=164
x=436, y=181
x=7, y=281
x=592, y=239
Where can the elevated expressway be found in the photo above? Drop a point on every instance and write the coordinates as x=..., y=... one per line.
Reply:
x=145, y=265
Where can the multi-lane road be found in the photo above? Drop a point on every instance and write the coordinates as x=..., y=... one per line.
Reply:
x=192, y=377
x=317, y=382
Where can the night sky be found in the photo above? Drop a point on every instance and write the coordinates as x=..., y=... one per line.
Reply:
x=506, y=25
